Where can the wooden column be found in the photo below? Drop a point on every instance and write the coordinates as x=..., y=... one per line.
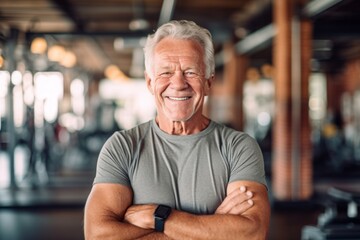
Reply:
x=234, y=77
x=335, y=89
x=291, y=162
x=306, y=166
x=351, y=76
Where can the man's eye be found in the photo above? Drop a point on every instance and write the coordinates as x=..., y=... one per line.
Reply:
x=165, y=74
x=190, y=74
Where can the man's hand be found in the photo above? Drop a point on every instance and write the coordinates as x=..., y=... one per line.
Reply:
x=237, y=202
x=141, y=215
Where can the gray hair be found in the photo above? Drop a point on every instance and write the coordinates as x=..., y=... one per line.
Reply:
x=181, y=29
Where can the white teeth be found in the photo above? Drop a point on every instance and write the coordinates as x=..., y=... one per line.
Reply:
x=178, y=98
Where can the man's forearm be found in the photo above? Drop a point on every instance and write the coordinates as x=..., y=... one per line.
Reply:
x=237, y=217
x=182, y=225
x=108, y=229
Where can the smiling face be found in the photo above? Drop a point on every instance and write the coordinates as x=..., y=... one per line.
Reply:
x=178, y=81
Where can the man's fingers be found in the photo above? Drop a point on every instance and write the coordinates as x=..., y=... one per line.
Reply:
x=241, y=208
x=234, y=201
x=230, y=197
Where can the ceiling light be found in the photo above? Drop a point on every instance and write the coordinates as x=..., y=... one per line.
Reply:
x=2, y=61
x=68, y=60
x=56, y=53
x=38, y=45
x=113, y=72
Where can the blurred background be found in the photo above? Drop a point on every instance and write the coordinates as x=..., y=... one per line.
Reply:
x=287, y=73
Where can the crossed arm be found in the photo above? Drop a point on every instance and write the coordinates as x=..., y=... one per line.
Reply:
x=244, y=214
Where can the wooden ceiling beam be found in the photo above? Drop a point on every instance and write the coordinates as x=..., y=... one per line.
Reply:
x=68, y=10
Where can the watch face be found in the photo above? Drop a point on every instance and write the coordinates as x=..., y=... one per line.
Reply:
x=162, y=211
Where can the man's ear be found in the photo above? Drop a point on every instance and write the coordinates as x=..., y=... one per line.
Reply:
x=148, y=83
x=208, y=84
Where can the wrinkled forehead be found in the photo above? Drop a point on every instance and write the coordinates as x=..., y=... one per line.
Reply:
x=172, y=51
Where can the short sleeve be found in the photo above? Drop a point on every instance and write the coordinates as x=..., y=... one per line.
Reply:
x=112, y=164
x=247, y=162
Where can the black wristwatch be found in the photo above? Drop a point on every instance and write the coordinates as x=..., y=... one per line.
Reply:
x=161, y=213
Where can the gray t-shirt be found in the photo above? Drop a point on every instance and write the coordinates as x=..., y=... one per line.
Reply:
x=189, y=173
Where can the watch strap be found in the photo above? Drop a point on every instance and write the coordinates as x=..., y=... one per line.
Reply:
x=161, y=213
x=159, y=224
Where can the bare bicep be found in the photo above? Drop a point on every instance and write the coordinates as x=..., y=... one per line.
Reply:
x=108, y=200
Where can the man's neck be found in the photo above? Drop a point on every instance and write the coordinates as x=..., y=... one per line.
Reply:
x=183, y=127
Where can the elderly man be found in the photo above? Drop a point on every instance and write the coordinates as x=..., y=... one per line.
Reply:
x=180, y=175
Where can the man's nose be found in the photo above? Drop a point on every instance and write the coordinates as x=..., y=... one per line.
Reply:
x=178, y=80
